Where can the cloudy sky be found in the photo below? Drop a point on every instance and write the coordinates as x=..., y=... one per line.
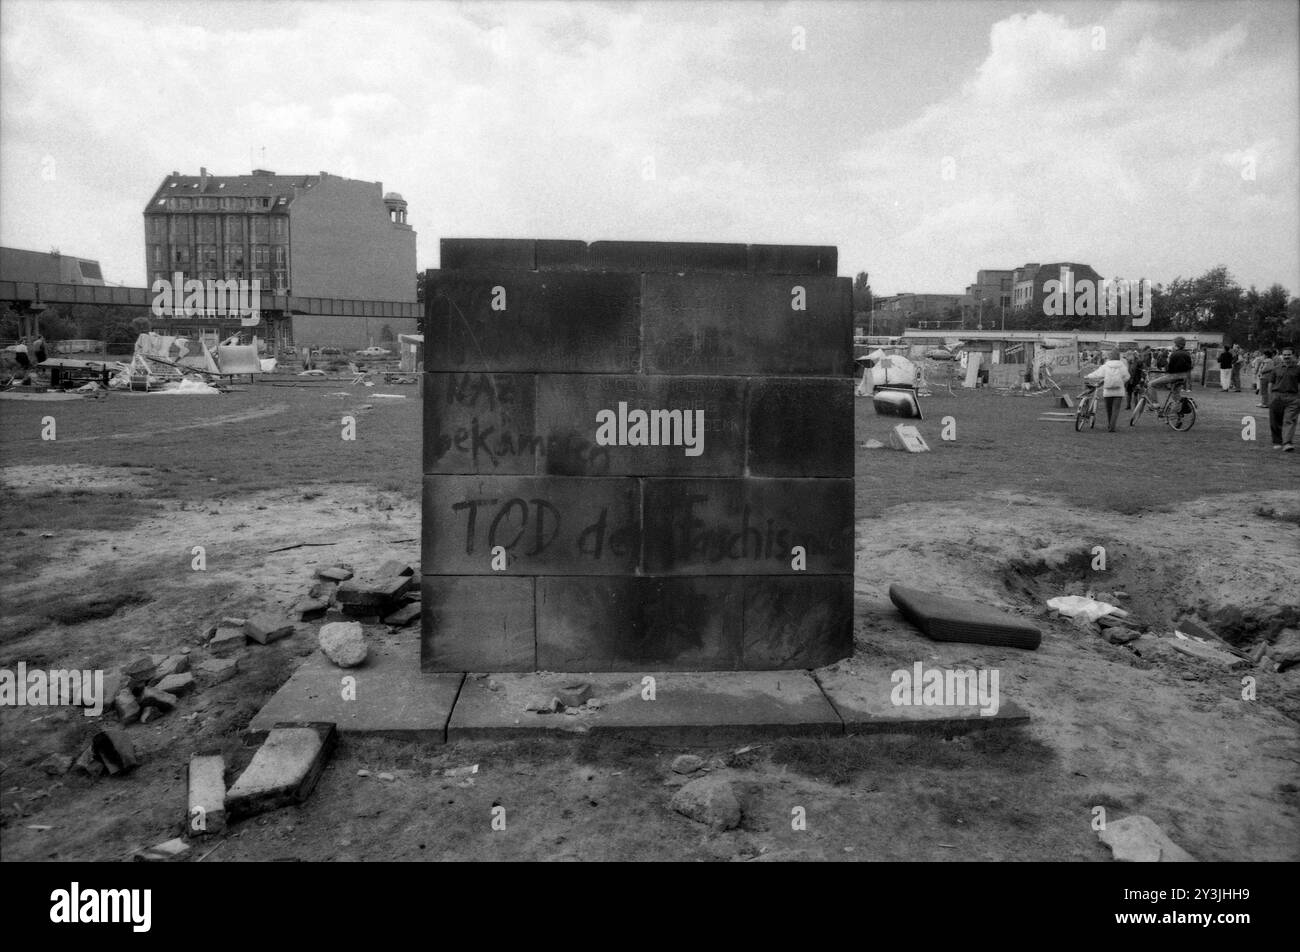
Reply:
x=925, y=139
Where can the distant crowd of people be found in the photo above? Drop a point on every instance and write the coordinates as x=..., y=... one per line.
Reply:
x=1276, y=380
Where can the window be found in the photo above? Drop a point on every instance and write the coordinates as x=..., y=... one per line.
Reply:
x=207, y=228
x=156, y=257
x=279, y=227
x=257, y=228
x=235, y=258
x=156, y=227
x=207, y=257
x=180, y=228
x=183, y=204
x=278, y=255
x=181, y=257
x=260, y=254
x=234, y=228
x=281, y=284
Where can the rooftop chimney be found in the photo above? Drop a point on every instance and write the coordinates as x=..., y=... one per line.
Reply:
x=203, y=178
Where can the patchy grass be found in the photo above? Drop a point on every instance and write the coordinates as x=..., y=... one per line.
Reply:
x=838, y=760
x=1282, y=515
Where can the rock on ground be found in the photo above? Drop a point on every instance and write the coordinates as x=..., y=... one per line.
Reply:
x=687, y=763
x=1137, y=839
x=709, y=800
x=344, y=643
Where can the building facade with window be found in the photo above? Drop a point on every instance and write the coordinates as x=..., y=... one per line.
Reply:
x=319, y=236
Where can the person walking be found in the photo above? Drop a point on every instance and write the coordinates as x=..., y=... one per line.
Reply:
x=1113, y=375
x=1225, y=369
x=1238, y=358
x=1284, y=405
x=1264, y=375
x=1135, y=373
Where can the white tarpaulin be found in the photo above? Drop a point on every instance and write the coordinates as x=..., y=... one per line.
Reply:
x=882, y=369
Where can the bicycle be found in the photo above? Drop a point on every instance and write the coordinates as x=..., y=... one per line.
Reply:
x=1179, y=415
x=1087, y=409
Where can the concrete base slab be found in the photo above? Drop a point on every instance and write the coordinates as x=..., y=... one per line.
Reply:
x=864, y=699
x=716, y=707
x=393, y=697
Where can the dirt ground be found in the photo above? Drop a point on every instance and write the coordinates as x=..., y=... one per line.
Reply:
x=101, y=525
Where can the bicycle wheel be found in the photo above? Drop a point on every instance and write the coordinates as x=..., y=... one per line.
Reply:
x=1137, y=410
x=1080, y=415
x=1182, y=417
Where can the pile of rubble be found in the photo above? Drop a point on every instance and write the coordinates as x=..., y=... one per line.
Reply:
x=287, y=765
x=1190, y=637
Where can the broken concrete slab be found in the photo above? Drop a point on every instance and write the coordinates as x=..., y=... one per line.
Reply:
x=268, y=627
x=335, y=573
x=175, y=684
x=864, y=698
x=139, y=672
x=284, y=770
x=1137, y=839
x=310, y=606
x=391, y=696
x=167, y=852
x=373, y=591
x=1195, y=649
x=393, y=568
x=404, y=615
x=206, y=811
x=695, y=708
x=227, y=641
x=344, y=643
x=173, y=664
x=153, y=697
x=115, y=751
x=216, y=670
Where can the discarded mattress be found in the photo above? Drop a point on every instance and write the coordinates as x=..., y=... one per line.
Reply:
x=951, y=619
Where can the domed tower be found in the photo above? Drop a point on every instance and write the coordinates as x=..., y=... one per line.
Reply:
x=396, y=206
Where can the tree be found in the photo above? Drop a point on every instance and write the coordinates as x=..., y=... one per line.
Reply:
x=862, y=297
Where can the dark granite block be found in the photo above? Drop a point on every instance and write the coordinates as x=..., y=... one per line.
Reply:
x=597, y=425
x=800, y=426
x=511, y=254
x=631, y=624
x=556, y=321
x=670, y=257
x=794, y=259
x=562, y=255
x=794, y=622
x=722, y=324
x=479, y=423
x=747, y=526
x=477, y=624
x=548, y=525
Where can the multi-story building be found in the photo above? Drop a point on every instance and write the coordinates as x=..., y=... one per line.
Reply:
x=921, y=307
x=320, y=236
x=1029, y=283
x=48, y=267
x=989, y=297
